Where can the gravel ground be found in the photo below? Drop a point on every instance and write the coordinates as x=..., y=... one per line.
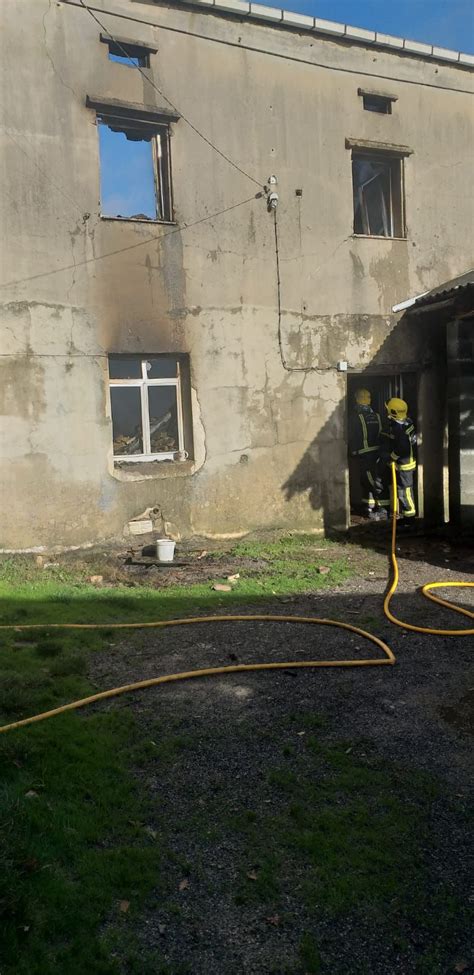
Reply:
x=417, y=714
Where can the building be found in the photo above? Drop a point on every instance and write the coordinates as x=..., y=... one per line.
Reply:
x=169, y=336
x=449, y=310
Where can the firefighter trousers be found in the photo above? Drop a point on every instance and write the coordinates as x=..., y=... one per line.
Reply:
x=375, y=494
x=406, y=500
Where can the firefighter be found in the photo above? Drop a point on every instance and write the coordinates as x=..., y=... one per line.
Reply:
x=364, y=443
x=399, y=445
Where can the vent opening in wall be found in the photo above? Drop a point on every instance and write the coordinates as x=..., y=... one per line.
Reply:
x=373, y=101
x=127, y=52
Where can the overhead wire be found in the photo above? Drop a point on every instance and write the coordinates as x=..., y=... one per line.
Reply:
x=185, y=119
x=242, y=46
x=130, y=247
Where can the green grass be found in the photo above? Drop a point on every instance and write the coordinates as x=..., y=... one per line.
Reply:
x=343, y=832
x=71, y=845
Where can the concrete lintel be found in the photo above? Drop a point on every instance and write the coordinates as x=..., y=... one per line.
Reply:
x=144, y=113
x=128, y=42
x=379, y=146
x=380, y=94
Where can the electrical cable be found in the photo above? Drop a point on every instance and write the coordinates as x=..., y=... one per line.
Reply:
x=149, y=80
x=387, y=660
x=287, y=57
x=43, y=172
x=130, y=247
x=316, y=369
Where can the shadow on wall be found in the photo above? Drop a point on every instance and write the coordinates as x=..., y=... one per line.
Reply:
x=417, y=351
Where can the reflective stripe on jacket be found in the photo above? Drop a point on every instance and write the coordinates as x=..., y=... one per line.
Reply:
x=364, y=436
x=402, y=441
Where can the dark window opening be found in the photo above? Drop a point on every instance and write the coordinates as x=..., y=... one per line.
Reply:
x=133, y=56
x=135, y=169
x=378, y=195
x=377, y=103
x=150, y=402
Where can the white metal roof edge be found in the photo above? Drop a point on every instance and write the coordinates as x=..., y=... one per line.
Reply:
x=287, y=18
x=409, y=302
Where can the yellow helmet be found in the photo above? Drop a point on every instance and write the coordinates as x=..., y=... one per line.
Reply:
x=363, y=397
x=397, y=408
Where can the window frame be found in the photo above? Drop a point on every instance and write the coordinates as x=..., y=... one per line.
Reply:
x=384, y=100
x=134, y=50
x=159, y=136
x=395, y=161
x=143, y=383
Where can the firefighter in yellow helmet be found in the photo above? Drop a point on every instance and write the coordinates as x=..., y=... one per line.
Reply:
x=365, y=428
x=399, y=445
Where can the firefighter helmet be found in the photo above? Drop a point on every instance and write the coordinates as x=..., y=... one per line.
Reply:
x=363, y=397
x=397, y=408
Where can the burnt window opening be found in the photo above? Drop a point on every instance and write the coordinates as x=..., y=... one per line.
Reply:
x=127, y=52
x=135, y=169
x=132, y=57
x=377, y=180
x=150, y=403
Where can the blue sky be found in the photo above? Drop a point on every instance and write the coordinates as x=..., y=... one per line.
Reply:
x=447, y=23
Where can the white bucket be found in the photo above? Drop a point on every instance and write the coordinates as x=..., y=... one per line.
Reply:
x=165, y=549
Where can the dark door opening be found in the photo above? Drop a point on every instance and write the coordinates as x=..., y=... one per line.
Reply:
x=381, y=388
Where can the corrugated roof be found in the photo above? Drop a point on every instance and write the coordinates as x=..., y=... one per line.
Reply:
x=443, y=291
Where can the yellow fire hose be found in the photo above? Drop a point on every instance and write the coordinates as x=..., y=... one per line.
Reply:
x=388, y=658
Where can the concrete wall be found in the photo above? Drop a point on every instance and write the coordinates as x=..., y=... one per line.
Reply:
x=460, y=335
x=268, y=405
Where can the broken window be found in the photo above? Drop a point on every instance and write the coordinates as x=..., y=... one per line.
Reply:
x=124, y=51
x=135, y=174
x=147, y=407
x=129, y=54
x=378, y=195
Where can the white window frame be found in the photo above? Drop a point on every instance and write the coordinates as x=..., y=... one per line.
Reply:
x=143, y=384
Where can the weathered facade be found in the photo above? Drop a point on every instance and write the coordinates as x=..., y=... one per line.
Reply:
x=260, y=322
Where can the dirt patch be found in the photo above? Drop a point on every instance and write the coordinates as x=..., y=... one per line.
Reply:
x=232, y=760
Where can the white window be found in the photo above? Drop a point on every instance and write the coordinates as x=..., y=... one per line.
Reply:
x=147, y=407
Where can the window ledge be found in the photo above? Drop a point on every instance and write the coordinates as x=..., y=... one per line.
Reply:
x=152, y=470
x=376, y=237
x=145, y=220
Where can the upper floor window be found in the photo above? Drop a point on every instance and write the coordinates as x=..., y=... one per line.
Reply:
x=135, y=170
x=129, y=53
x=377, y=180
x=374, y=101
x=148, y=404
x=135, y=160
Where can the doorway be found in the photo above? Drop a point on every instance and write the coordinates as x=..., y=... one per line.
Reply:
x=381, y=388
